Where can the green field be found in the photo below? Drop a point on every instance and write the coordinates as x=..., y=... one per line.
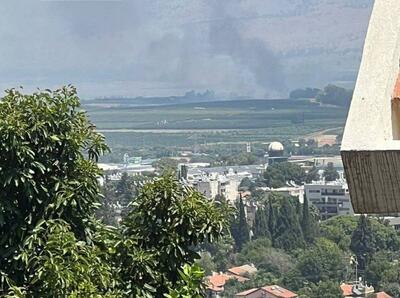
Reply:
x=212, y=122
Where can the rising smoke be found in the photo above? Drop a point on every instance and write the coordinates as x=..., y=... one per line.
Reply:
x=251, y=53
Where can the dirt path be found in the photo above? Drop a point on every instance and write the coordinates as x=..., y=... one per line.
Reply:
x=320, y=133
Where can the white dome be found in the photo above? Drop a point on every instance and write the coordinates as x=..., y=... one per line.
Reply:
x=275, y=146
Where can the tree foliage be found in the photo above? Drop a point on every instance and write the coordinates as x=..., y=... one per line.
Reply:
x=330, y=173
x=309, y=223
x=322, y=262
x=240, y=228
x=312, y=175
x=363, y=242
x=304, y=93
x=48, y=169
x=168, y=221
x=288, y=234
x=261, y=229
x=326, y=289
x=335, y=95
x=278, y=174
x=51, y=245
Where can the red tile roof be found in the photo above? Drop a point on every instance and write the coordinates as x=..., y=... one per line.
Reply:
x=382, y=295
x=216, y=282
x=347, y=290
x=245, y=293
x=242, y=270
x=280, y=292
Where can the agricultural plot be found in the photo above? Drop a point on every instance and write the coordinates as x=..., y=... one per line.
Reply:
x=211, y=122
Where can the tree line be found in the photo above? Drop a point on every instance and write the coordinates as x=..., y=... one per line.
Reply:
x=292, y=248
x=331, y=94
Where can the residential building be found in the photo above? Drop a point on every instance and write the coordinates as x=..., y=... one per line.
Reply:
x=394, y=222
x=360, y=290
x=244, y=270
x=223, y=181
x=330, y=198
x=216, y=282
x=252, y=293
x=114, y=171
x=273, y=291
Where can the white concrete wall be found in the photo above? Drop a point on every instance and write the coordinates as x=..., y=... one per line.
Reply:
x=369, y=124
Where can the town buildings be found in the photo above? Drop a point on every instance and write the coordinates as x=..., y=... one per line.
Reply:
x=216, y=282
x=360, y=290
x=330, y=198
x=218, y=181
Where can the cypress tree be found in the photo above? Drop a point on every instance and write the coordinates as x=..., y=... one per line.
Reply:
x=308, y=223
x=261, y=223
x=271, y=220
x=363, y=242
x=289, y=234
x=240, y=228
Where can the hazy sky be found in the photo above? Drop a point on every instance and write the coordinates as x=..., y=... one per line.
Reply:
x=140, y=47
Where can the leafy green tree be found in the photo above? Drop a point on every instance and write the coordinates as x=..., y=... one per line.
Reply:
x=168, y=221
x=166, y=165
x=378, y=267
x=392, y=288
x=260, y=253
x=293, y=280
x=339, y=230
x=261, y=223
x=247, y=184
x=238, y=159
x=323, y=261
x=363, y=242
x=304, y=93
x=386, y=238
x=117, y=196
x=390, y=277
x=328, y=289
x=312, y=175
x=108, y=211
x=240, y=229
x=330, y=173
x=206, y=262
x=278, y=174
x=189, y=284
x=126, y=189
x=51, y=245
x=61, y=266
x=335, y=95
x=222, y=252
x=48, y=170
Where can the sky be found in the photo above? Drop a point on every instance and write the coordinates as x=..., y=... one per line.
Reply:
x=144, y=47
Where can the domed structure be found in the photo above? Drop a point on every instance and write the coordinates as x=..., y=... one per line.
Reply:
x=276, y=153
x=276, y=147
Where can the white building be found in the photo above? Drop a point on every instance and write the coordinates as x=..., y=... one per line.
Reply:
x=218, y=181
x=114, y=171
x=213, y=184
x=330, y=198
